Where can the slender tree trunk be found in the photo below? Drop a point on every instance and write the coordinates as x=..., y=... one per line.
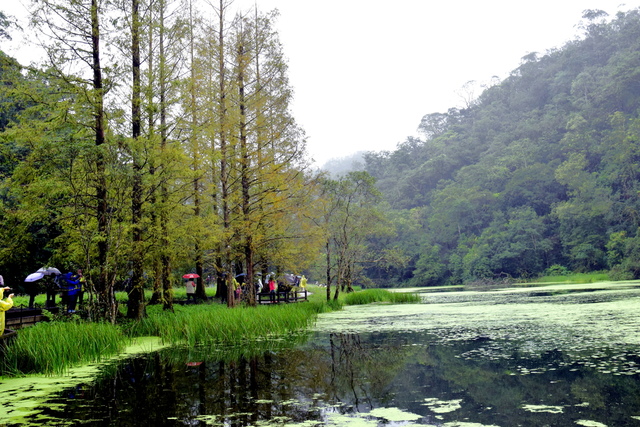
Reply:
x=106, y=303
x=167, y=295
x=156, y=296
x=224, y=174
x=200, y=290
x=244, y=172
x=328, y=255
x=136, y=308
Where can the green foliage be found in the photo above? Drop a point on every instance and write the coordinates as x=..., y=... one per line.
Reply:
x=557, y=270
x=623, y=254
x=541, y=170
x=353, y=220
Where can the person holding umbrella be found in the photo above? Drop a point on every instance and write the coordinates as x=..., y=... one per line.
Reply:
x=52, y=287
x=191, y=286
x=191, y=290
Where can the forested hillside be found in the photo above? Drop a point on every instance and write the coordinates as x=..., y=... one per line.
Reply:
x=539, y=172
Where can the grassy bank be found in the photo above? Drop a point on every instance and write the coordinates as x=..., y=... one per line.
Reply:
x=53, y=347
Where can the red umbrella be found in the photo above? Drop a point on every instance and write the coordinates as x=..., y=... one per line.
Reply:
x=190, y=276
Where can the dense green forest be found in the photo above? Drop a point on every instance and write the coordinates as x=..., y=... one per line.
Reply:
x=538, y=174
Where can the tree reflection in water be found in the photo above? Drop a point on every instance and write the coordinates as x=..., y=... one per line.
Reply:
x=348, y=375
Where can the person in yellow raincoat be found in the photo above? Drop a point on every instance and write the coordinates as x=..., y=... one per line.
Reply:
x=237, y=290
x=4, y=306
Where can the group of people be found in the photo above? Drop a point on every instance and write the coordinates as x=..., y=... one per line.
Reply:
x=290, y=281
x=239, y=287
x=70, y=286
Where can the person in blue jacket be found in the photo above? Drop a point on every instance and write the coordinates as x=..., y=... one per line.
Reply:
x=71, y=288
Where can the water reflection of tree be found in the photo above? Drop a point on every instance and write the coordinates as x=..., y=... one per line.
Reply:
x=347, y=355
x=294, y=385
x=362, y=372
x=344, y=373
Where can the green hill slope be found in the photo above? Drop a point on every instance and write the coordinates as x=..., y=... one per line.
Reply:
x=541, y=170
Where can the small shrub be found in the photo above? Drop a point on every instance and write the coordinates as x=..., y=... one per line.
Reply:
x=557, y=270
x=619, y=272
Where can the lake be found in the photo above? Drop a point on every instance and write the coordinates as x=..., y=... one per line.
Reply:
x=562, y=355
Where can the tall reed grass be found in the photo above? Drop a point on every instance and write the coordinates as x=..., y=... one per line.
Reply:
x=369, y=296
x=201, y=324
x=52, y=347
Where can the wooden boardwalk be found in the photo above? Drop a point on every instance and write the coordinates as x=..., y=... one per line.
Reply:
x=18, y=317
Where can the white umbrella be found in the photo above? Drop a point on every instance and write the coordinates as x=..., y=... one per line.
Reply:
x=33, y=277
x=48, y=270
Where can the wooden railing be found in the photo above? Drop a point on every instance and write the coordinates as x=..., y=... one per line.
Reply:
x=291, y=296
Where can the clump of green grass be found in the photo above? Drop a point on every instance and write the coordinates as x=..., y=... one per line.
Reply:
x=575, y=278
x=368, y=296
x=207, y=323
x=52, y=347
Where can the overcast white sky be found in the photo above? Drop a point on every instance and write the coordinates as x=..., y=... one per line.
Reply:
x=366, y=71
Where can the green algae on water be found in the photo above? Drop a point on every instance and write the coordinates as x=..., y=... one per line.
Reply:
x=22, y=396
x=588, y=423
x=394, y=414
x=543, y=408
x=442, y=406
x=592, y=325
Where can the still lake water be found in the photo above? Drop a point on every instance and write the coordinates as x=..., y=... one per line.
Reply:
x=564, y=356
